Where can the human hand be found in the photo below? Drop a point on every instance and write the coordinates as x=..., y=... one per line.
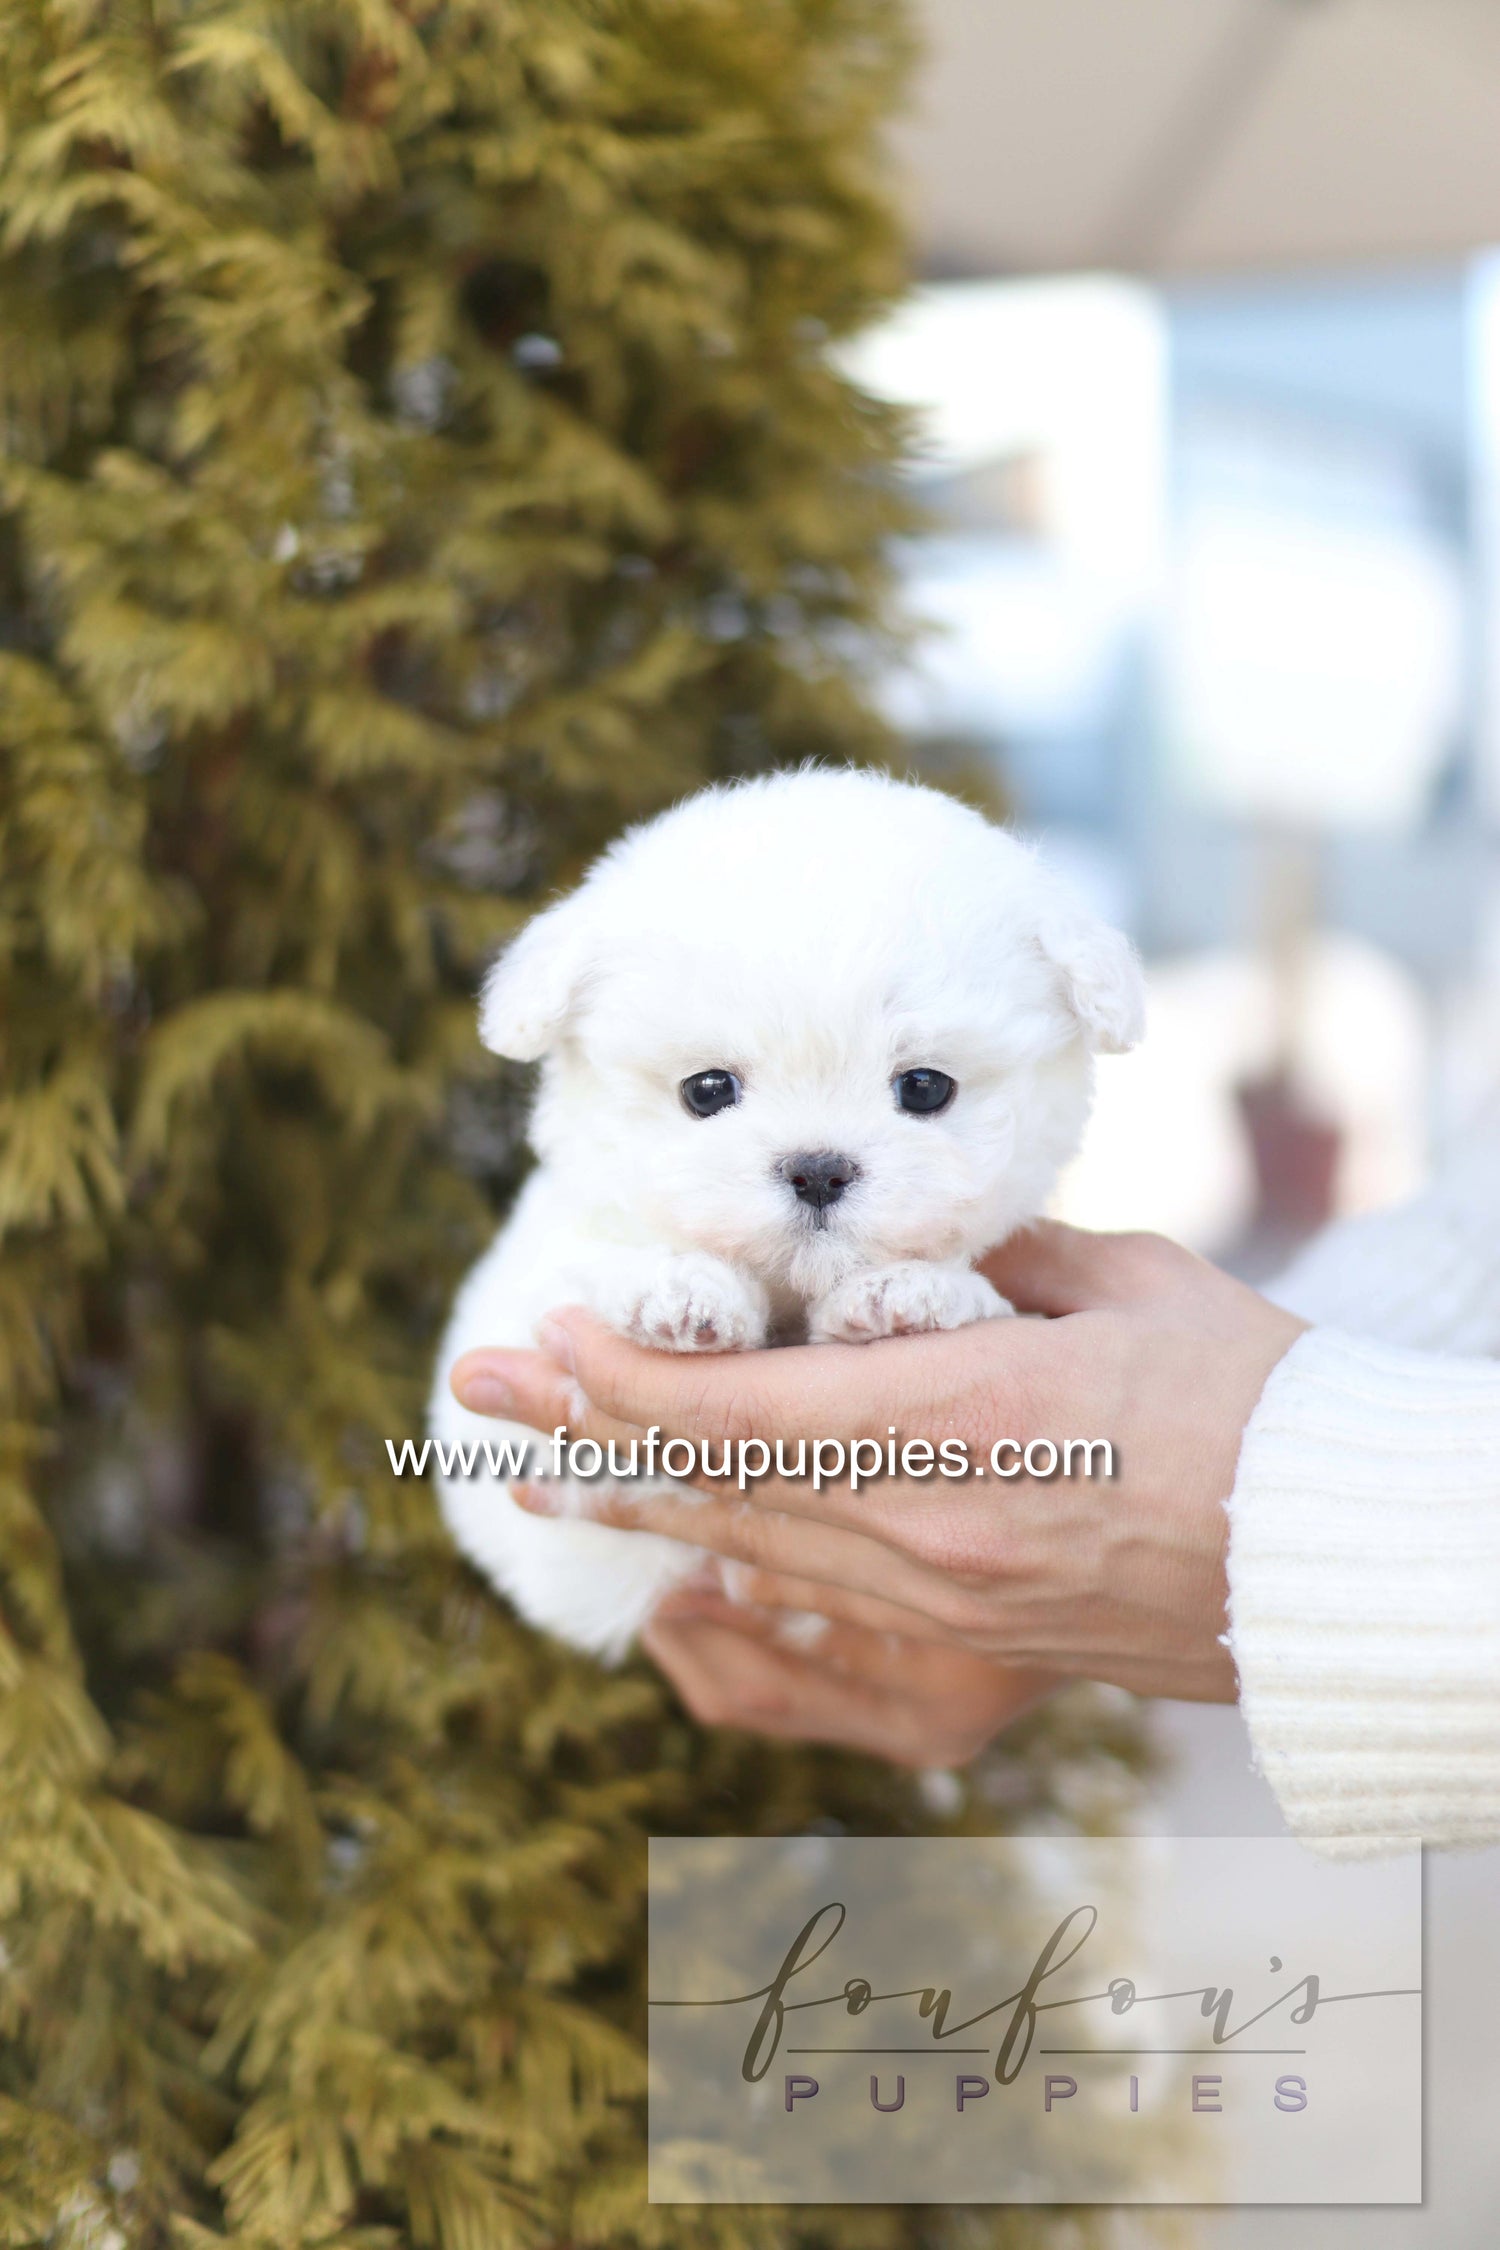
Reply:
x=1118, y=1579
x=916, y=1703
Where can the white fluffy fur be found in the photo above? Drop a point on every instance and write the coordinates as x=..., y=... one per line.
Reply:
x=816, y=933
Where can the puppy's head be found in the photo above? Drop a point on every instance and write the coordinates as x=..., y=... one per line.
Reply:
x=815, y=1022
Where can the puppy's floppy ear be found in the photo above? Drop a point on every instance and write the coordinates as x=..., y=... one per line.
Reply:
x=528, y=992
x=1101, y=975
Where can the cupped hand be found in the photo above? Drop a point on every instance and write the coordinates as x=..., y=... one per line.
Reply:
x=1118, y=1578
x=915, y=1703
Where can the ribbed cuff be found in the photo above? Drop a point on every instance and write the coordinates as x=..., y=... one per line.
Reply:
x=1364, y=1576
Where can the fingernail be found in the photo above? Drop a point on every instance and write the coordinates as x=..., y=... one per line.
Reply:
x=554, y=1340
x=708, y=1577
x=482, y=1391
x=688, y=1595
x=535, y=1499
x=677, y=1608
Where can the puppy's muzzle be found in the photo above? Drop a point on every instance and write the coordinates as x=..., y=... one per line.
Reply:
x=818, y=1178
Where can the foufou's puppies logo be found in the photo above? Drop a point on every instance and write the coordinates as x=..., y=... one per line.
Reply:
x=810, y=1046
x=1056, y=2019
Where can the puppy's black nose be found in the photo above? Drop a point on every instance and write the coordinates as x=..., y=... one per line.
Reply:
x=818, y=1179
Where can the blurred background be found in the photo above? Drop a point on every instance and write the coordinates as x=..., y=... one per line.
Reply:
x=1206, y=367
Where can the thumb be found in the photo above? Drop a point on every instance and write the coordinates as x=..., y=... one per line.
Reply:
x=1054, y=1269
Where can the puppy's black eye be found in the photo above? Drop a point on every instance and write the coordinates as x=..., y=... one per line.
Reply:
x=924, y=1092
x=710, y=1090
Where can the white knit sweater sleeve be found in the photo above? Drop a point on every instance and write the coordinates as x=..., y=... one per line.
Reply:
x=1364, y=1551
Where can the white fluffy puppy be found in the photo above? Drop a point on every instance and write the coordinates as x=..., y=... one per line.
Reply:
x=811, y=1044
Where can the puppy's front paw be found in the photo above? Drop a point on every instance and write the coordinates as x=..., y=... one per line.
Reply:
x=903, y=1300
x=688, y=1302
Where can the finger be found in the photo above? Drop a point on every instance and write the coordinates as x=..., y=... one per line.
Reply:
x=789, y=1403
x=912, y=1514
x=732, y=1675
x=904, y=1656
x=1055, y=1269
x=835, y=1391
x=730, y=1678
x=776, y=1590
x=522, y=1386
x=896, y=1702
x=766, y=1539
x=819, y=1623
x=531, y=1388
